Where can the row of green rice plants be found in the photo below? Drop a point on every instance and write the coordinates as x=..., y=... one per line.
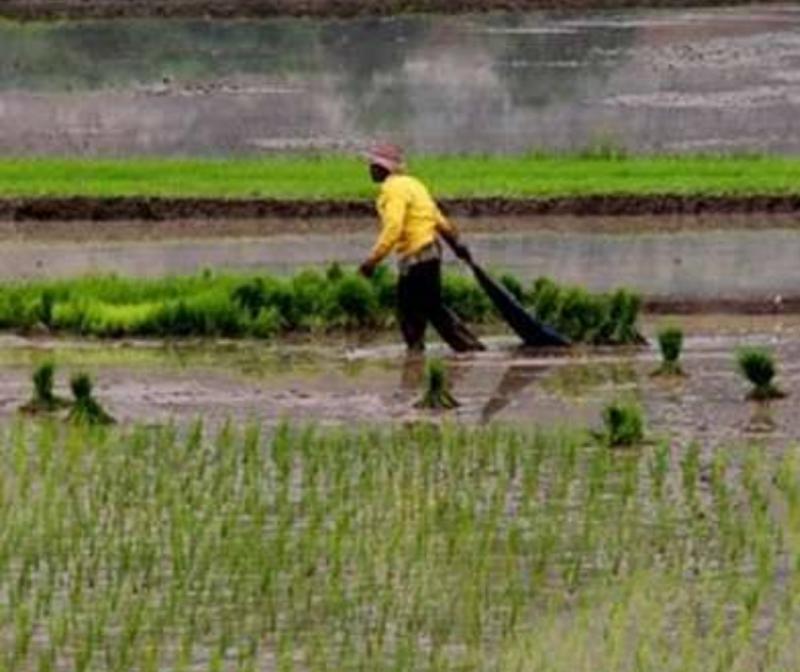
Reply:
x=585, y=317
x=602, y=168
x=261, y=306
x=651, y=621
x=417, y=548
x=726, y=606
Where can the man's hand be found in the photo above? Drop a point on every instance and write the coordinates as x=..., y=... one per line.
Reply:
x=462, y=251
x=367, y=269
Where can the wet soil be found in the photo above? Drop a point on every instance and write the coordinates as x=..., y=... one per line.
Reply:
x=168, y=209
x=92, y=9
x=351, y=383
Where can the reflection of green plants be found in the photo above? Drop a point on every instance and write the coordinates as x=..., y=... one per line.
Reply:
x=86, y=409
x=623, y=424
x=437, y=394
x=670, y=342
x=604, y=147
x=44, y=398
x=762, y=420
x=757, y=365
x=575, y=380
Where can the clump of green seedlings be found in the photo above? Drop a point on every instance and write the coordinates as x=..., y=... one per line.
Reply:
x=437, y=395
x=584, y=317
x=86, y=410
x=44, y=398
x=263, y=306
x=757, y=365
x=623, y=424
x=670, y=343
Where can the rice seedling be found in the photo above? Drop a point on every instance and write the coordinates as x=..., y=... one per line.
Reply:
x=670, y=343
x=513, y=285
x=623, y=424
x=601, y=319
x=44, y=399
x=757, y=365
x=410, y=548
x=85, y=408
x=253, y=305
x=437, y=395
x=428, y=548
x=45, y=310
x=353, y=303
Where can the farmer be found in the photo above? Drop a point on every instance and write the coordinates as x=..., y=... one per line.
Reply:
x=411, y=223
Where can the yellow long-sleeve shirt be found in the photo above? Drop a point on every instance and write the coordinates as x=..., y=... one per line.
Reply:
x=409, y=218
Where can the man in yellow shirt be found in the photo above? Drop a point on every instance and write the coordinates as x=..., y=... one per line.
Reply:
x=411, y=223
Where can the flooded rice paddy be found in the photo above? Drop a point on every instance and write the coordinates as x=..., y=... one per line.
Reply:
x=676, y=80
x=350, y=383
x=412, y=548
x=660, y=260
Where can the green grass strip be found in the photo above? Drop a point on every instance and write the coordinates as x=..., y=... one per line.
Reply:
x=337, y=177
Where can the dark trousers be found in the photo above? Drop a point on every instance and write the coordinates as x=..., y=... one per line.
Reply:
x=419, y=301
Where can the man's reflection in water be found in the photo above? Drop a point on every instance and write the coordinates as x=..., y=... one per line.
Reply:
x=515, y=379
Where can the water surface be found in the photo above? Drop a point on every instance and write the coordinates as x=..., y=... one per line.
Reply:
x=649, y=80
x=685, y=264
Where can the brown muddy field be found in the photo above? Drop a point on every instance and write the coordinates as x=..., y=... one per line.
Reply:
x=351, y=383
x=166, y=209
x=83, y=9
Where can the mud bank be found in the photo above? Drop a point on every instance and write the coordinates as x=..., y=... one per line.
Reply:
x=774, y=304
x=165, y=209
x=138, y=230
x=35, y=10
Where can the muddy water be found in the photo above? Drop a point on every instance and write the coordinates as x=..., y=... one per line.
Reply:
x=683, y=264
x=351, y=383
x=676, y=80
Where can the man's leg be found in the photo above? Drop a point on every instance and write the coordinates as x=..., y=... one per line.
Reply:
x=411, y=310
x=450, y=327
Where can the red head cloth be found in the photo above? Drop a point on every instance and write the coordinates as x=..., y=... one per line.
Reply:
x=386, y=155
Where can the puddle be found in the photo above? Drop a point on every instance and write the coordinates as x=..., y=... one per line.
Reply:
x=347, y=383
x=649, y=80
